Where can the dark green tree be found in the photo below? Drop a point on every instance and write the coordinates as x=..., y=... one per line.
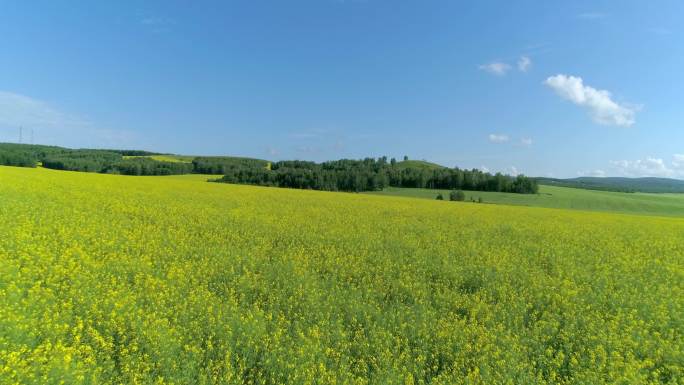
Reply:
x=457, y=195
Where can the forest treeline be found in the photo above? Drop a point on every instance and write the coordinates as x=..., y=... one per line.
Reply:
x=220, y=165
x=127, y=162
x=368, y=174
x=372, y=174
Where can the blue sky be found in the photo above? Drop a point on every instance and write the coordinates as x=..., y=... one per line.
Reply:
x=558, y=88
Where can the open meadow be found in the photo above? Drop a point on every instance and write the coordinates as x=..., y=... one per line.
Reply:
x=564, y=198
x=165, y=158
x=110, y=279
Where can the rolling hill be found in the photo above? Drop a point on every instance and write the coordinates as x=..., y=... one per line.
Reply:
x=565, y=198
x=419, y=164
x=647, y=185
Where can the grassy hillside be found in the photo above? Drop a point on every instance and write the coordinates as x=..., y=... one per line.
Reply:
x=166, y=158
x=652, y=185
x=113, y=279
x=566, y=198
x=418, y=164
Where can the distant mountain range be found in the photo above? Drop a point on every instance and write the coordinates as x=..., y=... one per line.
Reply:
x=648, y=185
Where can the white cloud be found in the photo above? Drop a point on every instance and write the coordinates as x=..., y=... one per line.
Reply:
x=496, y=68
x=18, y=110
x=512, y=170
x=678, y=161
x=524, y=63
x=596, y=173
x=501, y=68
x=498, y=138
x=503, y=138
x=158, y=24
x=51, y=125
x=602, y=108
x=526, y=141
x=651, y=166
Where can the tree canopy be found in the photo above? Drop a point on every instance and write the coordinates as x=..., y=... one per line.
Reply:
x=352, y=175
x=371, y=174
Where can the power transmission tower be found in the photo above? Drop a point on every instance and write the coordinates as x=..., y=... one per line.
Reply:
x=21, y=133
x=32, y=142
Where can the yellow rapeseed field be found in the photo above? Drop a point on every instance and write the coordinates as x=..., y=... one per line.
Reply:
x=152, y=280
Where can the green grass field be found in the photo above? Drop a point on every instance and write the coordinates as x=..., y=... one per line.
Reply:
x=166, y=158
x=418, y=164
x=566, y=198
x=191, y=177
x=109, y=279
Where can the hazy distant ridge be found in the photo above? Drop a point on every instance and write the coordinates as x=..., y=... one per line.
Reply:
x=648, y=185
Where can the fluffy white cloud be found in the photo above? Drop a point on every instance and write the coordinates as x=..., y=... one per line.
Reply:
x=158, y=24
x=51, y=125
x=602, y=108
x=18, y=110
x=498, y=138
x=647, y=167
x=596, y=173
x=496, y=68
x=524, y=63
x=503, y=138
x=650, y=166
x=678, y=160
x=512, y=170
